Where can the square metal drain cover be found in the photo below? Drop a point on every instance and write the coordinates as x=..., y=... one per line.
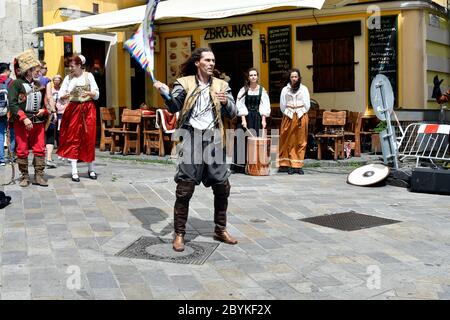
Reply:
x=349, y=221
x=158, y=249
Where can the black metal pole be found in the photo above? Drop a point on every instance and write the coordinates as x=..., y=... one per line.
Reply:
x=40, y=19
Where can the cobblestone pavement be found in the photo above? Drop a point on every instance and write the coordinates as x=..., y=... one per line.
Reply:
x=61, y=242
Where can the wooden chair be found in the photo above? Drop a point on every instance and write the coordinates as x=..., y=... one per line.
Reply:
x=312, y=120
x=107, y=119
x=153, y=136
x=333, y=123
x=313, y=115
x=167, y=130
x=369, y=140
x=131, y=131
x=352, y=131
x=311, y=149
x=121, y=108
x=319, y=121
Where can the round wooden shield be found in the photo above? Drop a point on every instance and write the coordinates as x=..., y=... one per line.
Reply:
x=368, y=175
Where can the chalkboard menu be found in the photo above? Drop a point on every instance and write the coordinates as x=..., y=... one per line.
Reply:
x=280, y=59
x=383, y=57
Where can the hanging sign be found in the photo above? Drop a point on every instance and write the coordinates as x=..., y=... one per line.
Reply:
x=280, y=59
x=225, y=32
x=383, y=55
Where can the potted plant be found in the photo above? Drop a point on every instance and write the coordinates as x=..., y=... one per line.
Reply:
x=378, y=131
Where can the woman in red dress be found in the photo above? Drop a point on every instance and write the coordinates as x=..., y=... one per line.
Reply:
x=78, y=131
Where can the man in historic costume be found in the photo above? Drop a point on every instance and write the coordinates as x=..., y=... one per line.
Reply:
x=26, y=105
x=201, y=100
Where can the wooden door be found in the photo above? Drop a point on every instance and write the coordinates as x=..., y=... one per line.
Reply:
x=234, y=58
x=95, y=53
x=137, y=84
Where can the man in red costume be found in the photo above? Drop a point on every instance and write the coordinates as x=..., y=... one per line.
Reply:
x=26, y=105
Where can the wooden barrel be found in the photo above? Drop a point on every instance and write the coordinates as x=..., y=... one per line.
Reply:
x=258, y=156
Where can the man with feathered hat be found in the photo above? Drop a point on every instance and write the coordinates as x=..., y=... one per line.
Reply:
x=26, y=105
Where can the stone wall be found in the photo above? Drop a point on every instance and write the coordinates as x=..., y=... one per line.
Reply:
x=17, y=19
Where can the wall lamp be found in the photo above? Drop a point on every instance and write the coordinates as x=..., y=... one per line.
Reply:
x=193, y=45
x=262, y=40
x=39, y=45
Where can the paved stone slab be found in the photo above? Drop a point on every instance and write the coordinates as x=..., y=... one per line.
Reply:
x=47, y=230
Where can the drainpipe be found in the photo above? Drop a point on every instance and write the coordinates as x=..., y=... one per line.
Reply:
x=40, y=20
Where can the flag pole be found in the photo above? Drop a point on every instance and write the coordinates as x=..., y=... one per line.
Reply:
x=142, y=44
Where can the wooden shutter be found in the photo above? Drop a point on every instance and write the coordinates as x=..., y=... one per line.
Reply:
x=323, y=71
x=333, y=65
x=344, y=70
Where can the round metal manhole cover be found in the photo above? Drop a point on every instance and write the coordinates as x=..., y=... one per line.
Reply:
x=165, y=250
x=161, y=250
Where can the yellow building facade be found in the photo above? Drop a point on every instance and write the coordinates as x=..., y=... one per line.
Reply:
x=420, y=29
x=55, y=11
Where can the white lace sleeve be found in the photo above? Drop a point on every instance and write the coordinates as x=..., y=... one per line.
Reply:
x=240, y=103
x=264, y=106
x=94, y=86
x=306, y=98
x=283, y=99
x=65, y=86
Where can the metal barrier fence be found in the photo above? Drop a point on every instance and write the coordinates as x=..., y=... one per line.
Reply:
x=400, y=132
x=425, y=141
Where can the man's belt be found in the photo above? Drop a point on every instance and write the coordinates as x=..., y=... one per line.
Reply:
x=35, y=119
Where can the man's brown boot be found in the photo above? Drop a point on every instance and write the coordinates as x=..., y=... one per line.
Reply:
x=23, y=168
x=224, y=236
x=221, y=194
x=183, y=194
x=178, y=243
x=39, y=166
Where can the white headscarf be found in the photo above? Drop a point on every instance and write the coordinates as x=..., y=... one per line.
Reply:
x=83, y=59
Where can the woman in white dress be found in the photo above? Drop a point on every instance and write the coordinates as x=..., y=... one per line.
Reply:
x=294, y=103
x=253, y=107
